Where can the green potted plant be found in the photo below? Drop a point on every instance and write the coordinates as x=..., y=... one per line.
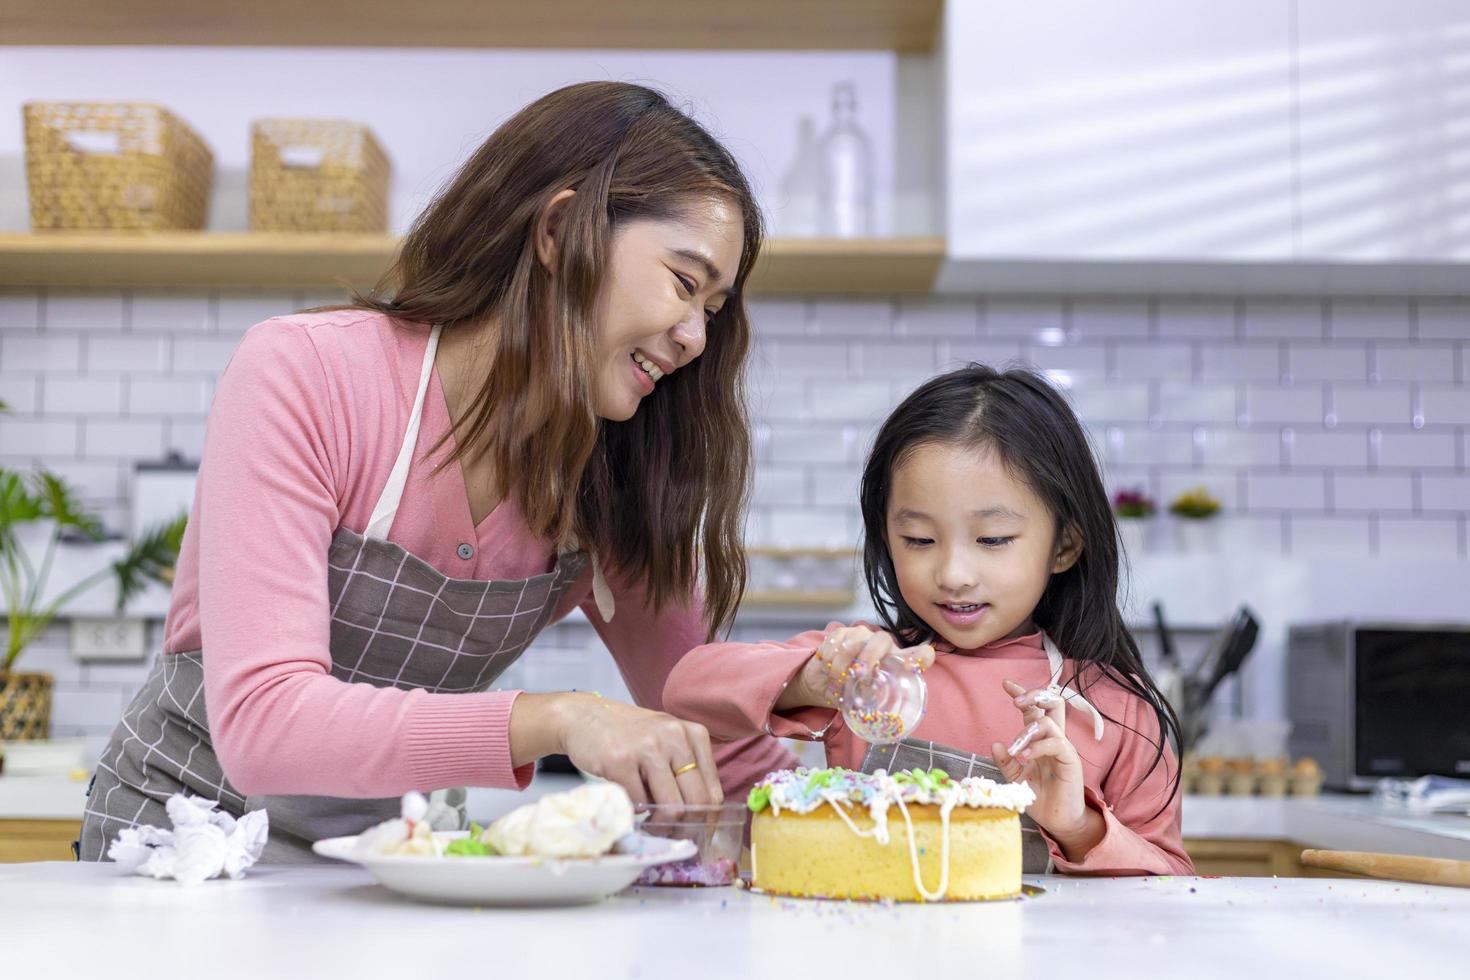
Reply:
x=1134, y=510
x=1195, y=527
x=39, y=508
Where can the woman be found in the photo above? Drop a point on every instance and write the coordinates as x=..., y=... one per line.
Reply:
x=397, y=496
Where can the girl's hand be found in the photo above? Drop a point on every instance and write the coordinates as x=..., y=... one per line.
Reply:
x=844, y=652
x=1043, y=756
x=638, y=749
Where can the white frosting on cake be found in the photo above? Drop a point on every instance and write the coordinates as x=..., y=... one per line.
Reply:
x=806, y=790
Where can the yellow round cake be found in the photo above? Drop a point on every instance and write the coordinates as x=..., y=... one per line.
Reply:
x=917, y=836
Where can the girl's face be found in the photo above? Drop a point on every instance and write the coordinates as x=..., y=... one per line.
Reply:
x=665, y=280
x=973, y=547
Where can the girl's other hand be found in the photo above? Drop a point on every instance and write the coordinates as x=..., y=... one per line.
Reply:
x=1043, y=756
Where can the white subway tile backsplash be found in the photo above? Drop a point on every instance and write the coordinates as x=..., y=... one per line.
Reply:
x=1237, y=447
x=998, y=354
x=238, y=311
x=1067, y=364
x=185, y=438
x=773, y=398
x=1284, y=404
x=1328, y=537
x=1368, y=405
x=126, y=353
x=1442, y=492
x=100, y=310
x=1324, y=362
x=1316, y=448
x=1146, y=447
x=127, y=437
x=38, y=437
x=20, y=309
x=1427, y=362
x=813, y=444
x=880, y=359
x=40, y=353
x=836, y=486
x=1444, y=405
x=1421, y=450
x=94, y=479
x=202, y=355
x=20, y=392
x=1101, y=402
x=809, y=527
x=1251, y=534
x=164, y=395
x=856, y=400
x=1026, y=318
x=936, y=317
x=1181, y=402
x=778, y=318
x=780, y=486
x=1194, y=318
x=1372, y=491
x=81, y=707
x=1285, y=491
x=172, y=310
x=852, y=318
x=82, y=395
x=1096, y=319
x=1240, y=362
x=1351, y=319
x=1296, y=319
x=1423, y=537
x=1445, y=320
x=1161, y=360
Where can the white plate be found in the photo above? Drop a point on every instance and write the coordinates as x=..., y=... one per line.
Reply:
x=505, y=880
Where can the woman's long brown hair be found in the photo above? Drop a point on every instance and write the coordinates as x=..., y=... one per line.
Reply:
x=661, y=498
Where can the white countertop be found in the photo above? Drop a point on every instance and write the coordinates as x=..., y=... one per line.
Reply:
x=71, y=920
x=1345, y=823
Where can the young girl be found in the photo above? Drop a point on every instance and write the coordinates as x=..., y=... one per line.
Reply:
x=992, y=558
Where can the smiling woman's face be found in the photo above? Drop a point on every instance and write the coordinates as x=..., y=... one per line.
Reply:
x=665, y=280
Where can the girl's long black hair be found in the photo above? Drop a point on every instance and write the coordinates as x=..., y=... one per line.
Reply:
x=1026, y=422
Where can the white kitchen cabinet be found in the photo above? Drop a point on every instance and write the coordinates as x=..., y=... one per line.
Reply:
x=1384, y=112
x=1132, y=129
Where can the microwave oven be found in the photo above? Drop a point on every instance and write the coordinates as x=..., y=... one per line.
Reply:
x=1369, y=700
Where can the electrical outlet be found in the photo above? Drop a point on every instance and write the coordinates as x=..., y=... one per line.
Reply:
x=108, y=639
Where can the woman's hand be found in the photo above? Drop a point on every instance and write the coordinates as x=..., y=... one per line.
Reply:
x=638, y=749
x=1043, y=756
x=846, y=651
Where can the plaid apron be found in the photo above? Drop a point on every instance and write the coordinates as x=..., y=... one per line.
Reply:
x=395, y=622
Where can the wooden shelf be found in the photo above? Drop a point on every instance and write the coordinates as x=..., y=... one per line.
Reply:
x=893, y=25
x=164, y=259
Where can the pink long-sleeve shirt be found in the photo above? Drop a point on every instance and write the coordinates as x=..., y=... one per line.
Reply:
x=732, y=689
x=306, y=423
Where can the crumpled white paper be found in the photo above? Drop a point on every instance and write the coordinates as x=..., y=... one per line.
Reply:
x=204, y=843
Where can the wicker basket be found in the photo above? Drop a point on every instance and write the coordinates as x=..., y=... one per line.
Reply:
x=25, y=706
x=317, y=175
x=116, y=166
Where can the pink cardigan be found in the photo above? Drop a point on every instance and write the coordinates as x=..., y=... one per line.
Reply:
x=306, y=422
x=732, y=688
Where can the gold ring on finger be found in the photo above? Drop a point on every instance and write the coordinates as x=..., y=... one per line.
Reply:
x=690, y=767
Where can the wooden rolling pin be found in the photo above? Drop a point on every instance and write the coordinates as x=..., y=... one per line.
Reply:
x=1429, y=871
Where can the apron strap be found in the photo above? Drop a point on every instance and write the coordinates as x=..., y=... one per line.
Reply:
x=1054, y=658
x=387, y=506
